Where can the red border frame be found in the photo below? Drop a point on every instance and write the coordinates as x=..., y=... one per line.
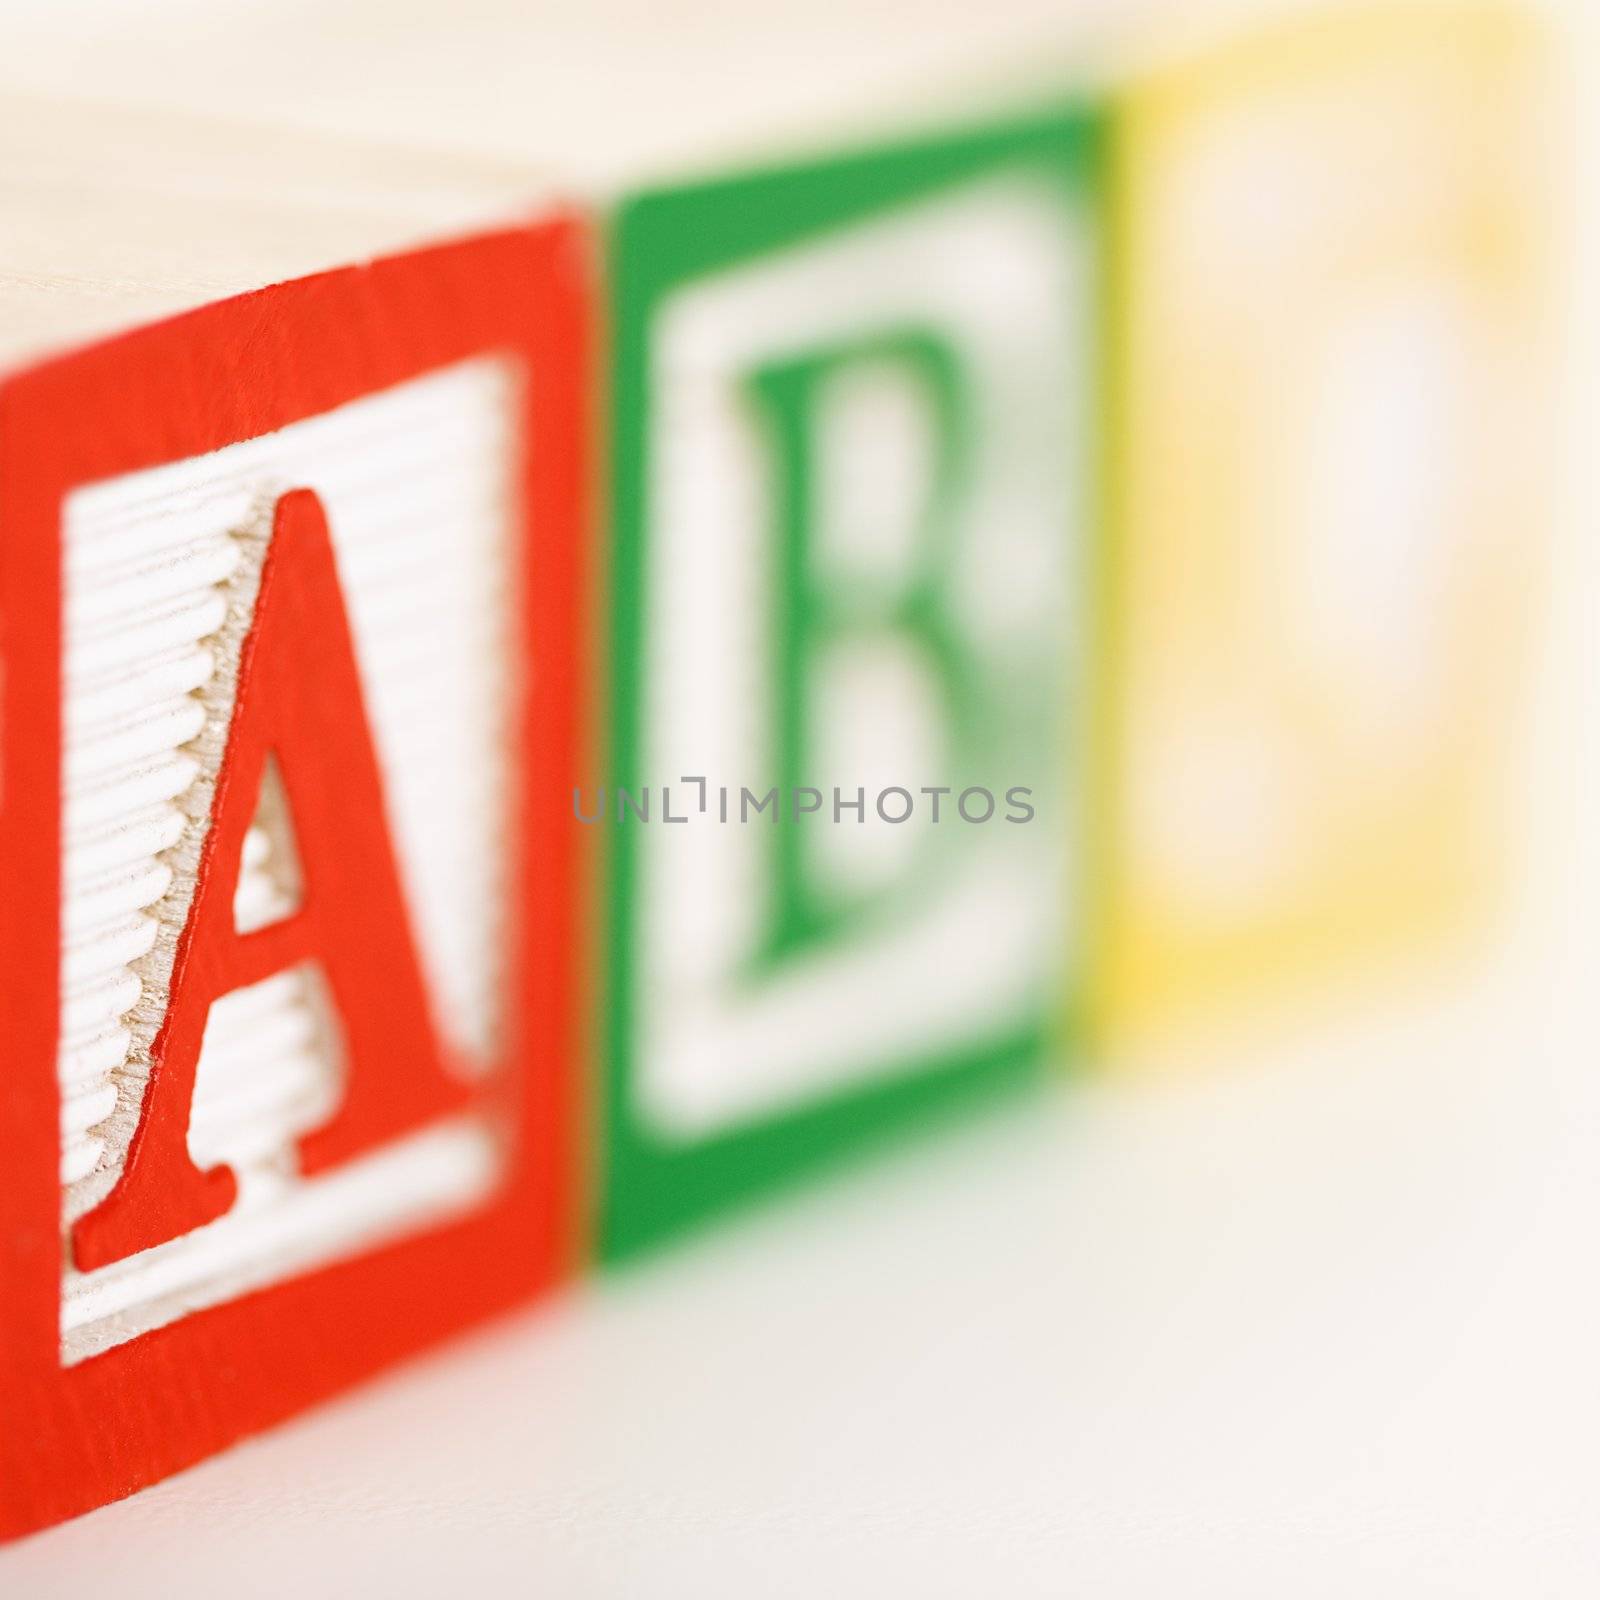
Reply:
x=74, y=1438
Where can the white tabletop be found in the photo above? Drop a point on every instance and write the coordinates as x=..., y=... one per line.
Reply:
x=1323, y=1324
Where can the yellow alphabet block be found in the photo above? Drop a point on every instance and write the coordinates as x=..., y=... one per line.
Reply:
x=1329, y=437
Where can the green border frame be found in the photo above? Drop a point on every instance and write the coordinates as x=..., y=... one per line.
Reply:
x=652, y=1188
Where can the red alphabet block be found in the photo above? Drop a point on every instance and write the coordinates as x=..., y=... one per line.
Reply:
x=289, y=633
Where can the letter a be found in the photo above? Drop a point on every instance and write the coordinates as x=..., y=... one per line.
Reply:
x=298, y=701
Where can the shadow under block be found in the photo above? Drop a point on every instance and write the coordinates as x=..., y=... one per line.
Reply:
x=1331, y=428
x=853, y=424
x=289, y=881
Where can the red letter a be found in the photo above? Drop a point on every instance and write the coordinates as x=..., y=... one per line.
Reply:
x=298, y=700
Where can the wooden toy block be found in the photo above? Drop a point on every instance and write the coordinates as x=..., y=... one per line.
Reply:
x=289, y=704
x=854, y=451
x=1328, y=505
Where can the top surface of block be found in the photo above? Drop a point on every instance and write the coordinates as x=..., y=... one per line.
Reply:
x=115, y=217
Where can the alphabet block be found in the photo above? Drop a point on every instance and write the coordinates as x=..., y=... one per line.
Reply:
x=852, y=487
x=288, y=592
x=1331, y=508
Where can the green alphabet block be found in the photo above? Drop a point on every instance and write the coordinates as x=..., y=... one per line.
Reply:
x=854, y=445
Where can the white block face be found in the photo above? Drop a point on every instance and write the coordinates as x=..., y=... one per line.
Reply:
x=160, y=573
x=953, y=932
